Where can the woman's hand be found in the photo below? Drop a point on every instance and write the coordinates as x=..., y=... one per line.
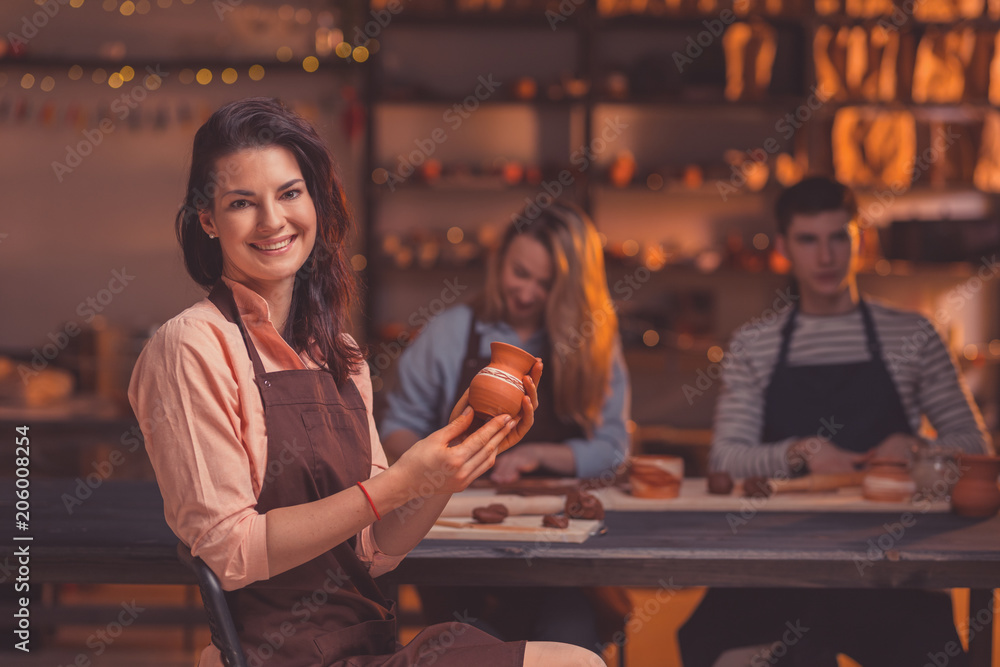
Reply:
x=528, y=405
x=436, y=466
x=822, y=456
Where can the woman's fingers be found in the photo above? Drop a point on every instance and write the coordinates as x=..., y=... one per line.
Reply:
x=457, y=426
x=536, y=371
x=463, y=402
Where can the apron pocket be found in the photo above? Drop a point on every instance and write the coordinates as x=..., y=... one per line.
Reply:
x=376, y=637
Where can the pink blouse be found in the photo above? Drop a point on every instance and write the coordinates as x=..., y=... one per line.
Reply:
x=203, y=421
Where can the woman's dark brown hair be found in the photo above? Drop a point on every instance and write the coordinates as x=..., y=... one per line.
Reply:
x=325, y=287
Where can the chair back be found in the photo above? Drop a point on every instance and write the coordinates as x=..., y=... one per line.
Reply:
x=220, y=620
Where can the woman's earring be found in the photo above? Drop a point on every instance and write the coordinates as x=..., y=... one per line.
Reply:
x=211, y=235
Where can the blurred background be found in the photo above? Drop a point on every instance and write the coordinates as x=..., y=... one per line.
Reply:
x=673, y=122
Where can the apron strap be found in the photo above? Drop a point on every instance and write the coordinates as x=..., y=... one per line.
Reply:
x=472, y=345
x=223, y=299
x=874, y=345
x=786, y=337
x=358, y=575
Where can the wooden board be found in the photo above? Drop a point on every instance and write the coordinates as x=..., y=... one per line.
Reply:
x=694, y=497
x=524, y=528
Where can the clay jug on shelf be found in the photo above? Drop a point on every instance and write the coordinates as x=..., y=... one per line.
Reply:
x=976, y=493
x=498, y=389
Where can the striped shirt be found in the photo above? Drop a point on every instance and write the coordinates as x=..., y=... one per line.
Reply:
x=922, y=368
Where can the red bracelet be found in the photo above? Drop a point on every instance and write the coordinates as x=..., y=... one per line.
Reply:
x=365, y=491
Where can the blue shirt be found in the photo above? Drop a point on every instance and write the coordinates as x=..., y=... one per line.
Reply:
x=429, y=372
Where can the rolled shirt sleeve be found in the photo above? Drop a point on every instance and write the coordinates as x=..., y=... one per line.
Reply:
x=186, y=395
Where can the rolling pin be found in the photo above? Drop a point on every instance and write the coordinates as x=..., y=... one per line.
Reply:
x=817, y=482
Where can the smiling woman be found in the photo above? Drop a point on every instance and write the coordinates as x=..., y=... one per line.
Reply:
x=268, y=461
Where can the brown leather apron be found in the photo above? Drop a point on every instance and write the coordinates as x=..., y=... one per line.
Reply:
x=329, y=612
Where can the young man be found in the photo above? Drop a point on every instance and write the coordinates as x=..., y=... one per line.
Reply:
x=834, y=382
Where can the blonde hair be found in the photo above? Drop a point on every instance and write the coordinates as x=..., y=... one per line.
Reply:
x=580, y=317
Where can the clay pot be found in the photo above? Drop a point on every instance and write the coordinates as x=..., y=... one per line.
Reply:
x=976, y=492
x=498, y=389
x=889, y=481
x=656, y=476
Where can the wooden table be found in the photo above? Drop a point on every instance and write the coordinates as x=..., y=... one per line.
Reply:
x=117, y=535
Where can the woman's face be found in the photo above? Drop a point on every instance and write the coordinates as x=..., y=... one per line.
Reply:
x=264, y=218
x=526, y=277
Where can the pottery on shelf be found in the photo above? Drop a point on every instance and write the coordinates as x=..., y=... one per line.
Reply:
x=498, y=388
x=888, y=480
x=976, y=493
x=656, y=476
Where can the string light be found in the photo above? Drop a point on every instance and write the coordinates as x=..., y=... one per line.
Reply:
x=27, y=81
x=76, y=4
x=127, y=8
x=455, y=235
x=115, y=80
x=310, y=64
x=360, y=54
x=143, y=7
x=48, y=83
x=284, y=54
x=256, y=72
x=229, y=75
x=186, y=76
x=204, y=76
x=650, y=338
x=99, y=76
x=75, y=72
x=343, y=50
x=127, y=73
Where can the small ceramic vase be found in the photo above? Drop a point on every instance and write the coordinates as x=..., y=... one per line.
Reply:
x=656, y=476
x=888, y=480
x=498, y=389
x=976, y=493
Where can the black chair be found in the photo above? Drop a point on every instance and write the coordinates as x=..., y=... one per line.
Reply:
x=220, y=621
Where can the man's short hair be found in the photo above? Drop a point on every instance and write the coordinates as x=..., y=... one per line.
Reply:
x=816, y=194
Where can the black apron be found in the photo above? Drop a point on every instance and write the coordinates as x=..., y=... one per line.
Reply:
x=861, y=399
x=329, y=612
x=857, y=400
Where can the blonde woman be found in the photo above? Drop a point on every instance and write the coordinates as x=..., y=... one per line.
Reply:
x=546, y=292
